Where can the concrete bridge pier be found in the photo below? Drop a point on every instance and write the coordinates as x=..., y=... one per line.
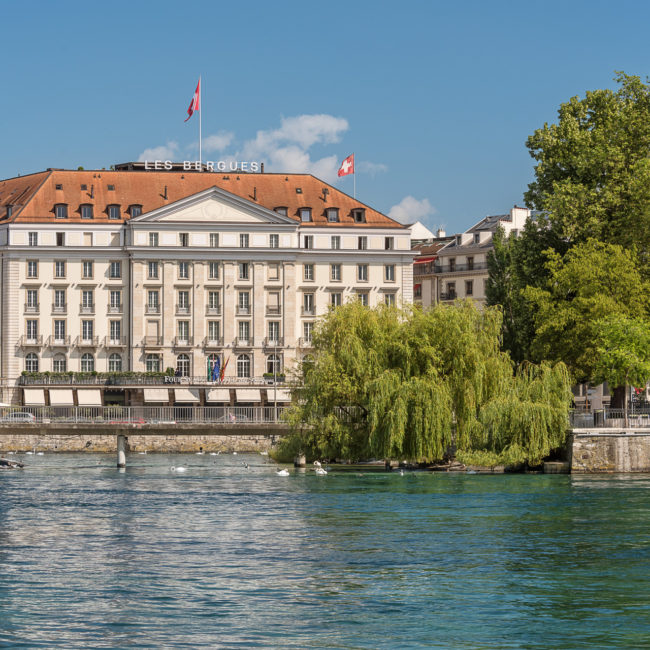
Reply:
x=121, y=450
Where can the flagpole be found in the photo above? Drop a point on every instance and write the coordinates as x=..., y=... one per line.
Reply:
x=200, y=115
x=354, y=178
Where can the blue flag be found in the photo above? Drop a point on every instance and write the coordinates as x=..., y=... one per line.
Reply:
x=215, y=369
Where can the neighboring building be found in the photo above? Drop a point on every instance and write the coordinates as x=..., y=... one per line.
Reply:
x=461, y=268
x=144, y=270
x=425, y=282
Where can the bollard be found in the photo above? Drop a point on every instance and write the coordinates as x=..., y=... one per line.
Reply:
x=121, y=451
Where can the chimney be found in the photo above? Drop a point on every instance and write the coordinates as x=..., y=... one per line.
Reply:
x=440, y=233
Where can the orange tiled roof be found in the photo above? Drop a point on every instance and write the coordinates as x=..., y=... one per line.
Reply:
x=35, y=196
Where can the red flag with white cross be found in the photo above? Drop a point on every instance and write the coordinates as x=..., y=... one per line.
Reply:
x=195, y=104
x=347, y=166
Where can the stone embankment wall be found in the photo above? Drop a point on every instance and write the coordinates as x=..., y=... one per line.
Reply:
x=610, y=451
x=151, y=443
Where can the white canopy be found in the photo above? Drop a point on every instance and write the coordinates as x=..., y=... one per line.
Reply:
x=186, y=395
x=61, y=397
x=218, y=395
x=249, y=395
x=34, y=396
x=156, y=395
x=89, y=397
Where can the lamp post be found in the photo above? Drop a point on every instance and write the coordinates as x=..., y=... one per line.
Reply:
x=275, y=380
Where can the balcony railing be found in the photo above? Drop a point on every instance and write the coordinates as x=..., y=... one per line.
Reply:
x=273, y=310
x=59, y=309
x=243, y=310
x=31, y=341
x=86, y=309
x=477, y=266
x=209, y=342
x=115, y=309
x=58, y=341
x=308, y=311
x=305, y=343
x=87, y=341
x=273, y=342
x=32, y=308
x=183, y=309
x=241, y=342
x=135, y=379
x=115, y=342
x=449, y=295
x=151, y=309
x=183, y=341
x=152, y=341
x=213, y=310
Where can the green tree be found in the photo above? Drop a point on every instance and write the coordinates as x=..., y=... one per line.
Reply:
x=592, y=173
x=623, y=352
x=591, y=281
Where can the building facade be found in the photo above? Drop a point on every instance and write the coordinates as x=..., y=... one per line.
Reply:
x=134, y=270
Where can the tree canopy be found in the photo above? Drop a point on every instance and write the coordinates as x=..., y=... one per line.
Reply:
x=407, y=384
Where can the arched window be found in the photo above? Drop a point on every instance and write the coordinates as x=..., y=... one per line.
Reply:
x=210, y=362
x=273, y=364
x=59, y=363
x=115, y=363
x=243, y=365
x=87, y=362
x=153, y=363
x=31, y=362
x=183, y=365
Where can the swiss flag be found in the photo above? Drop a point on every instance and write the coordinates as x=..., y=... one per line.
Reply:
x=195, y=104
x=347, y=166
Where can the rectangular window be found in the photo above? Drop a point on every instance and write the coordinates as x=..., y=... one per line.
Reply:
x=308, y=303
x=135, y=210
x=116, y=299
x=335, y=299
x=305, y=214
x=336, y=242
x=152, y=300
x=214, y=300
x=86, y=211
x=59, y=298
x=32, y=269
x=273, y=272
x=153, y=239
x=87, y=330
x=60, y=239
x=362, y=243
x=452, y=264
x=307, y=330
x=184, y=330
x=61, y=211
x=244, y=270
x=59, y=330
x=469, y=287
x=113, y=211
x=32, y=298
x=244, y=329
x=388, y=243
x=332, y=214
x=183, y=299
x=243, y=240
x=87, y=298
x=153, y=270
x=335, y=272
x=59, y=269
x=115, y=270
x=183, y=270
x=389, y=299
x=214, y=330
x=274, y=241
x=274, y=331
x=87, y=269
x=308, y=241
x=273, y=303
x=308, y=270
x=389, y=273
x=362, y=272
x=116, y=330
x=214, y=240
x=32, y=329
x=184, y=239
x=213, y=271
x=363, y=299
x=244, y=302
x=33, y=239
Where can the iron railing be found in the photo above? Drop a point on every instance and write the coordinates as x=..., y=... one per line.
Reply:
x=141, y=415
x=138, y=380
x=610, y=418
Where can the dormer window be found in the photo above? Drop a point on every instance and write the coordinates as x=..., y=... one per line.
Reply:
x=135, y=210
x=10, y=209
x=113, y=211
x=58, y=186
x=359, y=215
x=305, y=214
x=61, y=211
x=281, y=210
x=477, y=238
x=86, y=211
x=332, y=214
x=459, y=240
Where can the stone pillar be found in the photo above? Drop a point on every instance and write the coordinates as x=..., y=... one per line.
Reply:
x=121, y=450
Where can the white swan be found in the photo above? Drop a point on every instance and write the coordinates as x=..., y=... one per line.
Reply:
x=320, y=471
x=40, y=453
x=213, y=453
x=317, y=463
x=234, y=453
x=179, y=469
x=283, y=472
x=264, y=453
x=199, y=453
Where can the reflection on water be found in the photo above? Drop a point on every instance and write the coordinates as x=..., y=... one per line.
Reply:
x=224, y=555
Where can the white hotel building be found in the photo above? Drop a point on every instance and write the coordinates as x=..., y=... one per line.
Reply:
x=134, y=270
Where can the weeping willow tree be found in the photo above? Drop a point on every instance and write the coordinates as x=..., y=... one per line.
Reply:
x=406, y=384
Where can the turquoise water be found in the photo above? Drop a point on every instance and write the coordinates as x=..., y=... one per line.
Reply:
x=224, y=556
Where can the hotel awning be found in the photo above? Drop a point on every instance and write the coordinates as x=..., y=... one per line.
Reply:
x=249, y=395
x=89, y=397
x=156, y=395
x=33, y=397
x=186, y=395
x=278, y=395
x=61, y=397
x=218, y=395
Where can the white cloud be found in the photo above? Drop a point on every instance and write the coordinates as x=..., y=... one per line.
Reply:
x=217, y=142
x=371, y=168
x=409, y=209
x=163, y=152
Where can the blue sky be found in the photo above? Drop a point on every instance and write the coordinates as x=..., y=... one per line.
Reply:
x=436, y=99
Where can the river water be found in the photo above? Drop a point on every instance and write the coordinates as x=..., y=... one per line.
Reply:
x=228, y=556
